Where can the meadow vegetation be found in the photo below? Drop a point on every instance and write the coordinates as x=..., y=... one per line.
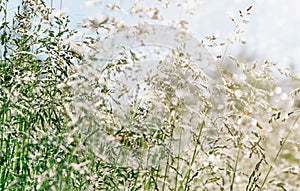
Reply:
x=70, y=123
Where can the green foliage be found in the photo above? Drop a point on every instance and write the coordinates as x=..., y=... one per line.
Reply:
x=34, y=61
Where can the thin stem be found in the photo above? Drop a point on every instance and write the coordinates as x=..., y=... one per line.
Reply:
x=165, y=175
x=235, y=166
x=187, y=176
x=278, y=153
x=178, y=158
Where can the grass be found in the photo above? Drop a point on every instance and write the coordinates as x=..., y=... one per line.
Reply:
x=64, y=125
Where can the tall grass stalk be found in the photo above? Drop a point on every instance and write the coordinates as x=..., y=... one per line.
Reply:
x=282, y=144
x=235, y=165
x=188, y=173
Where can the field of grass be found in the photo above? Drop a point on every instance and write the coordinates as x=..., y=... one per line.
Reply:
x=63, y=126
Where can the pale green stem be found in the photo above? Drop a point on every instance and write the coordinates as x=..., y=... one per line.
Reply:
x=278, y=153
x=235, y=167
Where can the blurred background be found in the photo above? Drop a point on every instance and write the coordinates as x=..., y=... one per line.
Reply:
x=272, y=31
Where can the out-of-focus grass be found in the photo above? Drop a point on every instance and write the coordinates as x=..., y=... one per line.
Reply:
x=52, y=123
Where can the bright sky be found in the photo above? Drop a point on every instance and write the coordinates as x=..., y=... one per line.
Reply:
x=272, y=32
